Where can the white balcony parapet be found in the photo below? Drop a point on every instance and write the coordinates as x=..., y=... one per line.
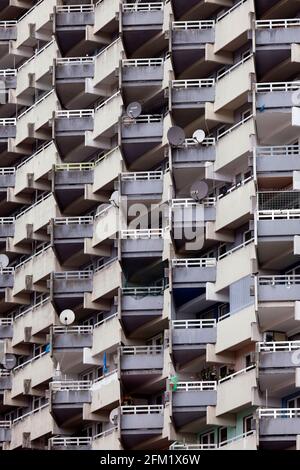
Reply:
x=99, y=379
x=201, y=386
x=8, y=72
x=236, y=248
x=135, y=350
x=277, y=86
x=237, y=438
x=275, y=214
x=235, y=66
x=279, y=280
x=278, y=151
x=232, y=128
x=272, y=24
x=34, y=154
x=279, y=413
x=70, y=441
x=142, y=233
x=142, y=6
x=74, y=60
x=5, y=424
x=32, y=308
x=9, y=270
x=63, y=385
x=236, y=186
x=143, y=118
x=104, y=156
x=102, y=322
x=227, y=12
x=183, y=25
x=142, y=175
x=141, y=409
x=73, y=275
x=74, y=113
x=142, y=62
x=194, y=83
x=30, y=361
x=36, y=103
x=74, y=329
x=74, y=166
x=191, y=142
x=188, y=202
x=274, y=346
x=37, y=53
x=105, y=265
x=105, y=433
x=8, y=122
x=194, y=262
x=135, y=291
x=41, y=199
x=235, y=374
x=84, y=220
x=204, y=323
x=8, y=24
x=7, y=220
x=42, y=250
x=105, y=102
x=5, y=373
x=182, y=446
x=6, y=321
x=8, y=170
x=74, y=8
x=101, y=212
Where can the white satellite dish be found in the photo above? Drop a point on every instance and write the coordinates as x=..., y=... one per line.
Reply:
x=114, y=415
x=199, y=190
x=114, y=199
x=67, y=317
x=199, y=135
x=4, y=261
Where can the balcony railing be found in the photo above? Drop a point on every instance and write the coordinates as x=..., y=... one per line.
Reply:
x=227, y=12
x=8, y=73
x=73, y=220
x=274, y=346
x=30, y=413
x=201, y=386
x=235, y=66
x=70, y=441
x=74, y=60
x=142, y=62
x=74, y=166
x=279, y=280
x=231, y=129
x=190, y=142
x=8, y=122
x=5, y=424
x=179, y=446
x=142, y=6
x=278, y=151
x=236, y=248
x=184, y=25
x=105, y=433
x=136, y=291
x=142, y=409
x=74, y=8
x=239, y=372
x=277, y=86
x=9, y=270
x=71, y=275
x=142, y=176
x=143, y=119
x=75, y=329
x=105, y=102
x=287, y=214
x=194, y=83
x=36, y=103
x=35, y=255
x=32, y=308
x=184, y=324
x=273, y=24
x=279, y=413
x=37, y=53
x=135, y=350
x=41, y=199
x=6, y=321
x=8, y=170
x=142, y=233
x=188, y=202
x=74, y=113
x=194, y=262
x=71, y=385
x=237, y=438
x=30, y=361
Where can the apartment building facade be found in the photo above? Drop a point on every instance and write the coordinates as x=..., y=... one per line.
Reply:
x=150, y=181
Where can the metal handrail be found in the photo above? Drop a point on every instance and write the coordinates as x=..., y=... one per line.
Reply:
x=188, y=202
x=36, y=103
x=279, y=413
x=191, y=142
x=237, y=438
x=274, y=214
x=105, y=102
x=74, y=60
x=74, y=113
x=78, y=329
x=279, y=279
x=203, y=323
x=83, y=220
x=73, y=275
x=38, y=52
x=232, y=128
x=136, y=291
x=194, y=83
x=277, y=86
x=35, y=255
x=179, y=446
x=144, y=118
x=142, y=175
x=8, y=72
x=7, y=220
x=6, y=321
x=5, y=424
x=157, y=62
x=41, y=199
x=74, y=8
x=30, y=361
x=196, y=262
x=201, y=386
x=8, y=122
x=9, y=270
x=227, y=12
x=105, y=433
x=271, y=24
x=235, y=374
x=41, y=149
x=74, y=166
x=135, y=350
x=274, y=346
x=142, y=6
x=183, y=25
x=70, y=441
x=236, y=248
x=235, y=66
x=32, y=308
x=76, y=385
x=142, y=233
x=278, y=150
x=142, y=409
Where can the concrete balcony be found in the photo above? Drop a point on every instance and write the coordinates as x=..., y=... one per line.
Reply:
x=5, y=380
x=7, y=128
x=277, y=354
x=228, y=400
x=68, y=397
x=105, y=392
x=192, y=154
x=6, y=328
x=283, y=223
x=142, y=243
x=35, y=72
x=68, y=344
x=107, y=169
x=74, y=122
x=186, y=212
x=73, y=174
x=5, y=431
x=31, y=375
x=141, y=422
x=234, y=85
x=107, y=335
x=282, y=288
x=277, y=32
x=33, y=273
x=193, y=272
x=31, y=223
x=31, y=324
x=283, y=159
x=190, y=337
x=70, y=443
x=190, y=94
x=141, y=135
x=142, y=185
x=33, y=172
x=8, y=30
x=190, y=401
x=273, y=95
x=7, y=177
x=70, y=69
x=141, y=305
x=70, y=228
x=278, y=427
x=6, y=278
x=107, y=440
x=106, y=15
x=107, y=61
x=35, y=24
x=7, y=227
x=142, y=17
x=235, y=205
x=106, y=225
x=74, y=15
x=107, y=279
x=140, y=365
x=68, y=287
x=245, y=441
x=234, y=143
x=228, y=38
x=142, y=78
x=107, y=116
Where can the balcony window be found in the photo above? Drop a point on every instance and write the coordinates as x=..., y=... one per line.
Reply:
x=208, y=438
x=247, y=423
x=223, y=435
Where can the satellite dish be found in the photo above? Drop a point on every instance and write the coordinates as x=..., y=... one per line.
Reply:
x=67, y=317
x=9, y=361
x=199, y=190
x=113, y=416
x=4, y=260
x=134, y=109
x=176, y=135
x=199, y=135
x=114, y=199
